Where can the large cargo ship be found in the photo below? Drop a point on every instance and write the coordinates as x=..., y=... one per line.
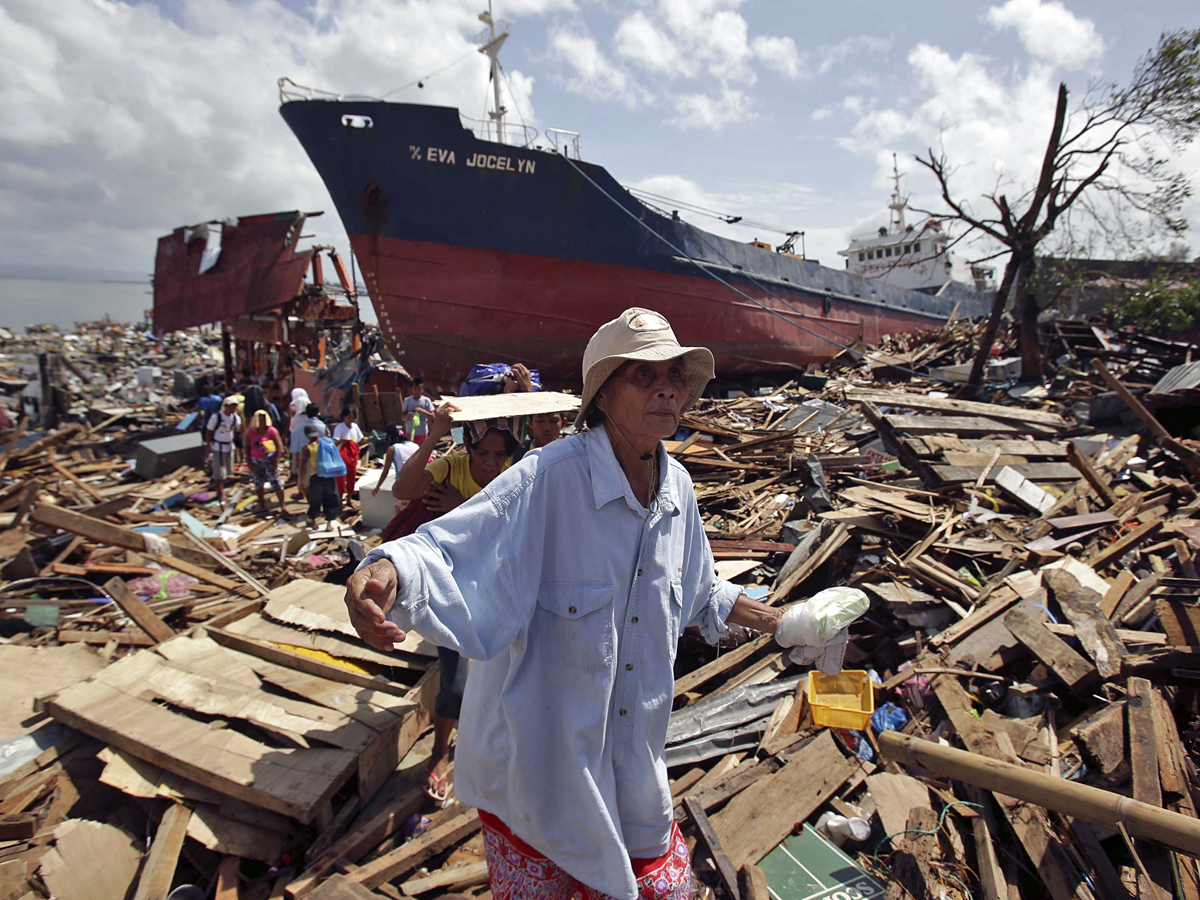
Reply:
x=482, y=241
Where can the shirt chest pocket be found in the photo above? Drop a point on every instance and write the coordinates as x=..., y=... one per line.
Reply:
x=574, y=624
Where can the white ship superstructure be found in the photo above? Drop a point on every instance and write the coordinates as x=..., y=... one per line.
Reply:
x=916, y=257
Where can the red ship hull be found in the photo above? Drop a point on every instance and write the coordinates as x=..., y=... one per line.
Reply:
x=450, y=307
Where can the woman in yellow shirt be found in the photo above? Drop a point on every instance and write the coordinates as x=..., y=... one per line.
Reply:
x=444, y=484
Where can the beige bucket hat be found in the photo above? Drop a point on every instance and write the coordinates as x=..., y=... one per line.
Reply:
x=645, y=335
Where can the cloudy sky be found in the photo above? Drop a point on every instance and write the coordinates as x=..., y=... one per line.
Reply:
x=120, y=121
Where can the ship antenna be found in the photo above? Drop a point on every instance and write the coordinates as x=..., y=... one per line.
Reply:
x=491, y=49
x=898, y=204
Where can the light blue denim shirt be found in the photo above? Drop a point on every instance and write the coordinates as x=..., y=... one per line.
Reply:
x=569, y=597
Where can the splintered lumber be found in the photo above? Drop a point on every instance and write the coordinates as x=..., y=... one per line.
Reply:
x=411, y=854
x=136, y=609
x=1143, y=762
x=1060, y=795
x=448, y=880
x=1118, y=548
x=708, y=840
x=921, y=425
x=227, y=878
x=832, y=544
x=1164, y=438
x=720, y=665
x=159, y=870
x=90, y=861
x=753, y=883
x=1090, y=475
x=1075, y=671
x=1093, y=629
x=357, y=843
x=342, y=887
x=964, y=407
x=761, y=816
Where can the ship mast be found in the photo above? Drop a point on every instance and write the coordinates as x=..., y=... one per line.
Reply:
x=492, y=50
x=898, y=204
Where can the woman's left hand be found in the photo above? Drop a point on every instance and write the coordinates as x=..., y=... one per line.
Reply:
x=441, y=498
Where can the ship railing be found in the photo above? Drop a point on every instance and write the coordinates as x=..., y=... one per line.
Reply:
x=503, y=27
x=514, y=134
x=290, y=90
x=563, y=141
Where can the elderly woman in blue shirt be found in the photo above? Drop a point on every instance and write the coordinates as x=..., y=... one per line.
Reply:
x=568, y=581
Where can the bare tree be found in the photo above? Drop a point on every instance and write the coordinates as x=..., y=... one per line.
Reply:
x=1105, y=170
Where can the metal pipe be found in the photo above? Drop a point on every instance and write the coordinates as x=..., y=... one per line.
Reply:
x=1091, y=804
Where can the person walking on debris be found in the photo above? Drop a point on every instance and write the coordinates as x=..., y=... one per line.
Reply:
x=441, y=486
x=262, y=449
x=568, y=581
x=417, y=410
x=400, y=448
x=348, y=436
x=320, y=465
x=299, y=444
x=220, y=437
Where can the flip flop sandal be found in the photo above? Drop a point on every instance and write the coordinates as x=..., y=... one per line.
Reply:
x=438, y=788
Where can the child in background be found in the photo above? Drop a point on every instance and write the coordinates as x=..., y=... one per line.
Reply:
x=348, y=436
x=262, y=449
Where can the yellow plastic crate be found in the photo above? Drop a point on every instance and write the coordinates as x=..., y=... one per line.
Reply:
x=845, y=700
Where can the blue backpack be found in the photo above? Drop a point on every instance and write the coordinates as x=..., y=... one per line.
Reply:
x=329, y=462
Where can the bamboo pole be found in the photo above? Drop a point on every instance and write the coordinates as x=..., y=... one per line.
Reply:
x=1091, y=804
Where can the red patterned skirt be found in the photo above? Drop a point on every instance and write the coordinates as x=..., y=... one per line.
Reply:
x=518, y=872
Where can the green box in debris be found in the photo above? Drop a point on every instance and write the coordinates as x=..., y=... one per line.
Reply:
x=808, y=867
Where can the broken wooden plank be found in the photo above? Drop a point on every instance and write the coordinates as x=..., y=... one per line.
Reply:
x=965, y=407
x=761, y=816
x=411, y=854
x=1119, y=547
x=1075, y=671
x=358, y=842
x=1094, y=630
x=1144, y=775
x=1094, y=479
x=158, y=873
x=711, y=844
x=447, y=880
x=136, y=609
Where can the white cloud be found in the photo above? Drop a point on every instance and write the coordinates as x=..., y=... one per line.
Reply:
x=1050, y=31
x=595, y=76
x=638, y=39
x=779, y=53
x=832, y=55
x=714, y=113
x=118, y=124
x=820, y=115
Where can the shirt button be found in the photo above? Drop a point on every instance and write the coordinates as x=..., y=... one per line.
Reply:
x=634, y=620
x=571, y=609
x=639, y=573
x=628, y=667
x=622, y=712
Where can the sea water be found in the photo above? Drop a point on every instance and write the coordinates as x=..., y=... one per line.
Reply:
x=29, y=301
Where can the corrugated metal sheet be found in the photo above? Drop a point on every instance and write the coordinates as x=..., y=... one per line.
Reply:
x=1180, y=378
x=258, y=268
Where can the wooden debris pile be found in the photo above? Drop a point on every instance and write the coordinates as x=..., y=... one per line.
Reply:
x=1032, y=640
